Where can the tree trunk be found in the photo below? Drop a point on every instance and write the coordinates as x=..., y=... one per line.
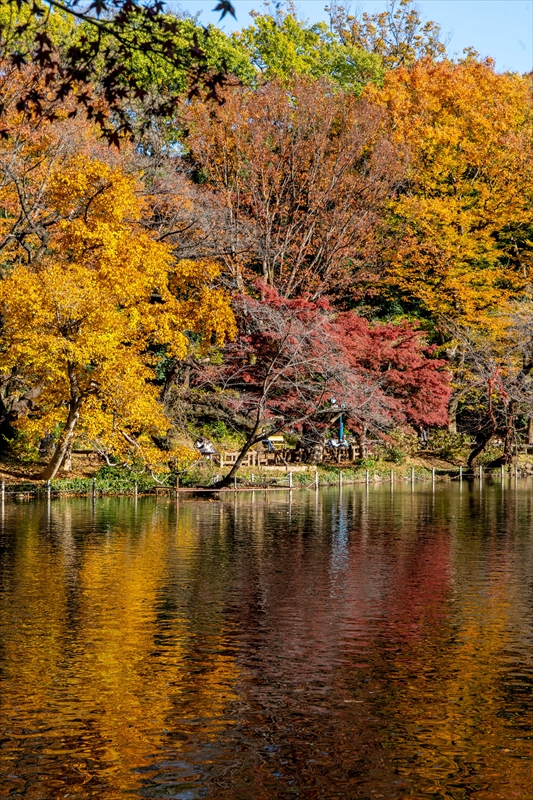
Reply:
x=252, y=439
x=452, y=415
x=65, y=441
x=67, y=460
x=529, y=438
x=170, y=380
x=362, y=444
x=480, y=446
x=181, y=370
x=316, y=453
x=507, y=457
x=239, y=279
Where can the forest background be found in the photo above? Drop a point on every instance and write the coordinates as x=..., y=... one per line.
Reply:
x=235, y=236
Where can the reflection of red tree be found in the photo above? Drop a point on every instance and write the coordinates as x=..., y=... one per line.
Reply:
x=421, y=587
x=308, y=607
x=325, y=628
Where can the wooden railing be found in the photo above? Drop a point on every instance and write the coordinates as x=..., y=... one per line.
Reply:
x=283, y=457
x=253, y=458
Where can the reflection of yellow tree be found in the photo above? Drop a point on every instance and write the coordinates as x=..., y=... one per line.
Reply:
x=37, y=610
x=101, y=647
x=449, y=688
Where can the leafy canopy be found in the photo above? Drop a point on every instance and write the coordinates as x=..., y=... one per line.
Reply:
x=283, y=47
x=79, y=323
x=398, y=35
x=304, y=175
x=113, y=36
x=463, y=214
x=292, y=355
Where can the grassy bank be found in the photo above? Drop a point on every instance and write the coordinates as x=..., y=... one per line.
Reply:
x=18, y=479
x=328, y=474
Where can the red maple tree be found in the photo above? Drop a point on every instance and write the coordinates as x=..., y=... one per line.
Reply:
x=298, y=362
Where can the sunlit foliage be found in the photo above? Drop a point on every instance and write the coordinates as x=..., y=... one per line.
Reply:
x=79, y=323
x=463, y=215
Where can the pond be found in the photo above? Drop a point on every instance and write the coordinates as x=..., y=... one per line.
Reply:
x=354, y=643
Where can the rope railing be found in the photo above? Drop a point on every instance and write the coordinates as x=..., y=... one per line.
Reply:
x=77, y=487
x=86, y=487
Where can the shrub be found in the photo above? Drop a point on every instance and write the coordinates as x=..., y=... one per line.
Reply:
x=219, y=433
x=395, y=455
x=453, y=447
x=367, y=463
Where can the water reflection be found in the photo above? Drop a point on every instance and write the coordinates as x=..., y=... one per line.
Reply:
x=356, y=643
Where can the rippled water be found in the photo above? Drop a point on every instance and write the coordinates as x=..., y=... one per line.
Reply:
x=339, y=645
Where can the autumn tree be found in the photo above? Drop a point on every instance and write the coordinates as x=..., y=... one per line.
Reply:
x=281, y=46
x=82, y=316
x=493, y=383
x=398, y=35
x=292, y=357
x=463, y=214
x=303, y=174
x=120, y=41
x=32, y=148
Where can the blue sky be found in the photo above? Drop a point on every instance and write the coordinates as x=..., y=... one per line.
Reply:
x=502, y=29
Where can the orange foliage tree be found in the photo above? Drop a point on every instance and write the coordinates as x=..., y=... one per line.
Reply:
x=303, y=173
x=464, y=214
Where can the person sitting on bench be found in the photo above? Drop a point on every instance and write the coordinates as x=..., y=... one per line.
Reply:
x=265, y=441
x=204, y=446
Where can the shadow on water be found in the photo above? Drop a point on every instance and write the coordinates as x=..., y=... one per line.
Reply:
x=338, y=644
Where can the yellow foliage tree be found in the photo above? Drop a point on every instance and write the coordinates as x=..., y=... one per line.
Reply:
x=465, y=212
x=80, y=323
x=398, y=35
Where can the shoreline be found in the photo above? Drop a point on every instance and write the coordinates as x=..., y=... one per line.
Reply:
x=285, y=481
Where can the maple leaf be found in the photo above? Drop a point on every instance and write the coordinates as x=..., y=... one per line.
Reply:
x=225, y=7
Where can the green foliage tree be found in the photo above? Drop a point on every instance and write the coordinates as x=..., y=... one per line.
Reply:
x=20, y=25
x=159, y=78
x=280, y=46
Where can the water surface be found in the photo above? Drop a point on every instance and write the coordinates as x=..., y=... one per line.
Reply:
x=355, y=644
